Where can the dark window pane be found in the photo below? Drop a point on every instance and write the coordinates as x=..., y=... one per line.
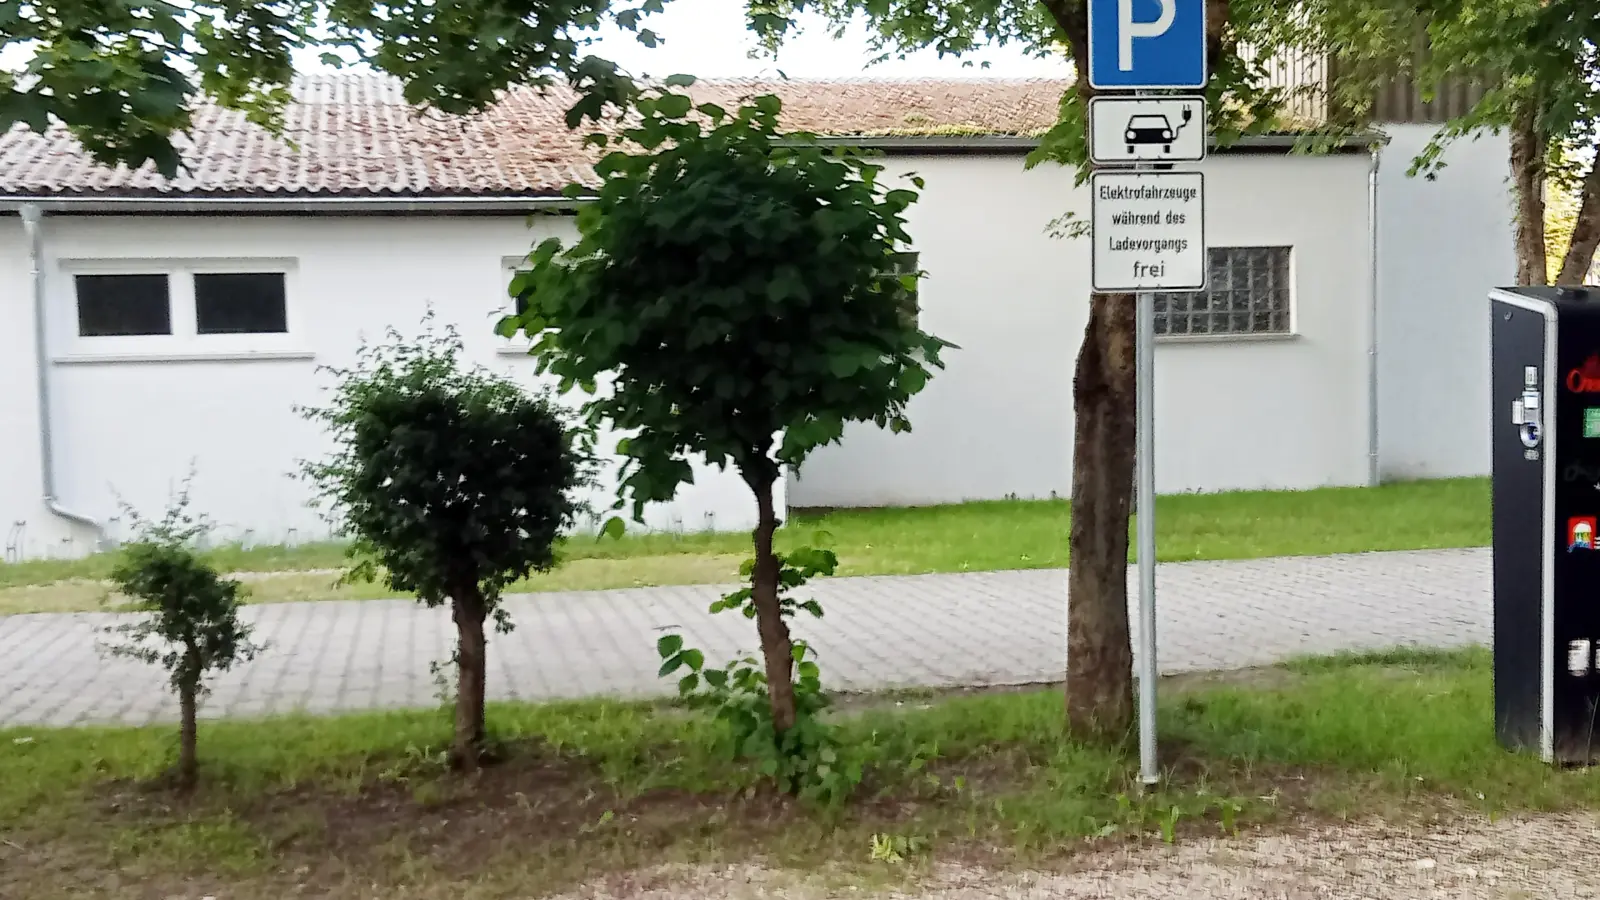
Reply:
x=905, y=263
x=240, y=303
x=122, y=305
x=519, y=303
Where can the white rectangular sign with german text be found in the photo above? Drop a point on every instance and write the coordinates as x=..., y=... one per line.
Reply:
x=1149, y=231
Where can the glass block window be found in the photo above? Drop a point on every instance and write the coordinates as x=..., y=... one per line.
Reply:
x=1247, y=292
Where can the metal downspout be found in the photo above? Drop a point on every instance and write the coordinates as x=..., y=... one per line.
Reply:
x=1373, y=474
x=32, y=218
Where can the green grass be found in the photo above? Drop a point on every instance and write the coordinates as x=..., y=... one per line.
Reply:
x=590, y=788
x=983, y=536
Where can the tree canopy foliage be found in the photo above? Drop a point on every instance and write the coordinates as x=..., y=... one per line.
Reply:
x=125, y=76
x=1240, y=95
x=1538, y=65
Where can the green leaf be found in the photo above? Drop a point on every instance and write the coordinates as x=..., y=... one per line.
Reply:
x=672, y=664
x=716, y=678
x=688, y=683
x=844, y=365
x=695, y=659
x=614, y=527
x=673, y=106
x=679, y=80
x=669, y=645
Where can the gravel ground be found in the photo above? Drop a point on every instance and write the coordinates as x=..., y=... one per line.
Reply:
x=1525, y=858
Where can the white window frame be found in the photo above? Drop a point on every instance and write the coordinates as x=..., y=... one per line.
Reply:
x=185, y=342
x=1292, y=312
x=519, y=344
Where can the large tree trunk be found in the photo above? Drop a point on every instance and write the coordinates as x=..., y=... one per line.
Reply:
x=1527, y=176
x=1585, y=232
x=776, y=647
x=1099, y=651
x=188, y=738
x=469, y=612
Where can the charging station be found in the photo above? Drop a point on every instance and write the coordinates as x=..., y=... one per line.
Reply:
x=1545, y=384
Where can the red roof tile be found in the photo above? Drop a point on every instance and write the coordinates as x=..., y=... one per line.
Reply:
x=348, y=134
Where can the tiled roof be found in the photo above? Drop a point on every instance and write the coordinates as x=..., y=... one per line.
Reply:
x=350, y=134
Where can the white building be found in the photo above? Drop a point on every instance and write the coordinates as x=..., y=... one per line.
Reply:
x=184, y=320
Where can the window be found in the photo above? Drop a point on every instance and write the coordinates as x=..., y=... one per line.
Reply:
x=905, y=263
x=123, y=305
x=1248, y=292
x=240, y=303
x=154, y=309
x=510, y=305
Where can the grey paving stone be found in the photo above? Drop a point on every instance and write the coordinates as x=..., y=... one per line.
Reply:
x=968, y=629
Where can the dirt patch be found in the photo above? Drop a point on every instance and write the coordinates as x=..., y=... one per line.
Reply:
x=1469, y=859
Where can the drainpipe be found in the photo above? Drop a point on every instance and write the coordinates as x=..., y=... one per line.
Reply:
x=1372, y=322
x=31, y=221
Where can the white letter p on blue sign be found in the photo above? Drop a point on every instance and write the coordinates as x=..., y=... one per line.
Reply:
x=1147, y=44
x=1128, y=29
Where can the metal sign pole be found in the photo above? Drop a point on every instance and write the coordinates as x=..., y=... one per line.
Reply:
x=1145, y=524
x=1158, y=210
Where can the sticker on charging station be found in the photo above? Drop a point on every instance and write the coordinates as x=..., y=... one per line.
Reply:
x=1580, y=533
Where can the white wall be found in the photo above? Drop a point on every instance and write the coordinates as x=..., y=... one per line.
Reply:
x=1253, y=413
x=1443, y=245
x=132, y=428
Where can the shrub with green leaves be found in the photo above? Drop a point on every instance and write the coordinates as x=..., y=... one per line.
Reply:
x=738, y=293
x=453, y=482
x=190, y=622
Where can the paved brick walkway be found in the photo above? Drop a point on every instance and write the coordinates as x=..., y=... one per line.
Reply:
x=989, y=628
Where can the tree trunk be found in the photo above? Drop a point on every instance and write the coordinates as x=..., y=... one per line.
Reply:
x=1527, y=176
x=469, y=612
x=1585, y=232
x=1099, y=651
x=188, y=738
x=776, y=647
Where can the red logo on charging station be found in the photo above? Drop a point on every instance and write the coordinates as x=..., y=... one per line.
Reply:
x=1585, y=379
x=1580, y=533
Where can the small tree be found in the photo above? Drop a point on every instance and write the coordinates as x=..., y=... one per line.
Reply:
x=191, y=624
x=738, y=291
x=453, y=483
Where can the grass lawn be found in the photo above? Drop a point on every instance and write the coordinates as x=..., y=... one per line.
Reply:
x=968, y=537
x=361, y=806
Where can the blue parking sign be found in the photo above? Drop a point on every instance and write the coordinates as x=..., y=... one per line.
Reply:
x=1147, y=44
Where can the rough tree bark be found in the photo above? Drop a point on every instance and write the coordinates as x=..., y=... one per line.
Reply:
x=188, y=738
x=1585, y=232
x=1527, y=175
x=469, y=611
x=1099, y=649
x=777, y=649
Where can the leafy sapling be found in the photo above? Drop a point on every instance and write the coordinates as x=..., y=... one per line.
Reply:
x=453, y=482
x=742, y=295
x=190, y=622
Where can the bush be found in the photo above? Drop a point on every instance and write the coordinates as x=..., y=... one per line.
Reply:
x=453, y=483
x=191, y=625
